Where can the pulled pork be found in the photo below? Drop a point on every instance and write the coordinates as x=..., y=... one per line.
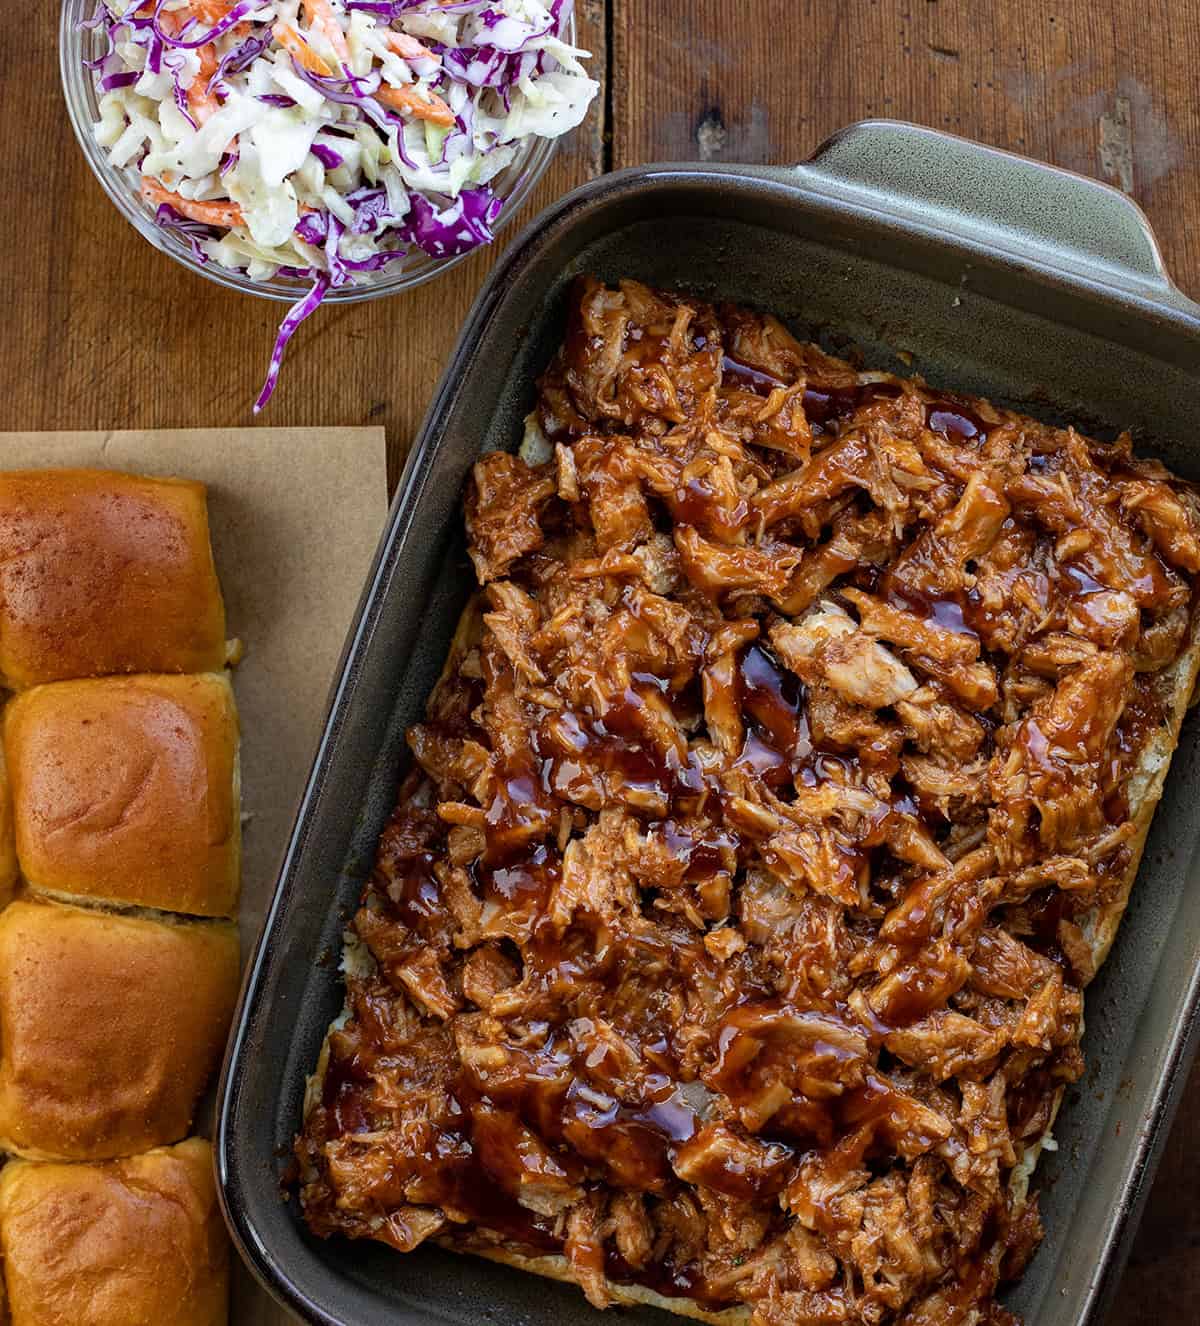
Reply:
x=729, y=934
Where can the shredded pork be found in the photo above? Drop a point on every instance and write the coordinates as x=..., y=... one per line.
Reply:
x=729, y=933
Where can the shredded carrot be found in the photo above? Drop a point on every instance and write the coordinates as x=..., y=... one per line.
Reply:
x=409, y=100
x=207, y=12
x=211, y=11
x=295, y=45
x=409, y=48
x=321, y=18
x=211, y=214
x=201, y=101
x=208, y=61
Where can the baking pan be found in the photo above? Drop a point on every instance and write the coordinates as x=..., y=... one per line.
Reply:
x=981, y=271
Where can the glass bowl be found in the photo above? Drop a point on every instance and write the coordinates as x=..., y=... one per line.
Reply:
x=123, y=186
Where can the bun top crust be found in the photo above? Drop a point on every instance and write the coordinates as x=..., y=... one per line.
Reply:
x=8, y=847
x=110, y=1026
x=124, y=789
x=105, y=573
x=134, y=1241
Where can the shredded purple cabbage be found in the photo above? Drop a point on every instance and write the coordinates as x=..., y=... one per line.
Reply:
x=494, y=20
x=330, y=159
x=375, y=262
x=181, y=100
x=372, y=211
x=438, y=225
x=358, y=92
x=313, y=227
x=322, y=230
x=110, y=82
x=489, y=66
x=287, y=329
x=464, y=225
x=506, y=59
x=158, y=58
x=154, y=54
x=101, y=18
x=167, y=218
x=343, y=92
x=240, y=58
x=218, y=29
x=391, y=9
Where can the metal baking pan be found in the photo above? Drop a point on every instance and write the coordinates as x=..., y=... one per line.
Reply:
x=981, y=271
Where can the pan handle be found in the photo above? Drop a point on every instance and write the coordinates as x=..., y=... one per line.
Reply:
x=1000, y=201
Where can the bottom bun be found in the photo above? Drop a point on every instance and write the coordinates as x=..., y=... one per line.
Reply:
x=1174, y=687
x=555, y=1267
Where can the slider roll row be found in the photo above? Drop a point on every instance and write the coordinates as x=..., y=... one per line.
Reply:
x=120, y=849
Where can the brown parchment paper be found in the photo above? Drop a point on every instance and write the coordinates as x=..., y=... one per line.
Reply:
x=295, y=516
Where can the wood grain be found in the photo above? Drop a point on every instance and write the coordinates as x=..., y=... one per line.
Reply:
x=102, y=331
x=1099, y=86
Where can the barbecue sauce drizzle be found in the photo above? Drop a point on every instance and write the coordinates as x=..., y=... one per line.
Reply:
x=596, y=1133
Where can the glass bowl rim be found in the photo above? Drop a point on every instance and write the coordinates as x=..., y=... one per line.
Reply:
x=77, y=85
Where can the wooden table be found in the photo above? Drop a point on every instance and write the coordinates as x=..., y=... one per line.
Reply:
x=101, y=332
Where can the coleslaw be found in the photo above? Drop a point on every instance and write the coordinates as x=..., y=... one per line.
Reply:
x=327, y=140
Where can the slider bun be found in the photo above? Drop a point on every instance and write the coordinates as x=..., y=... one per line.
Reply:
x=124, y=790
x=109, y=1028
x=105, y=573
x=8, y=846
x=135, y=1242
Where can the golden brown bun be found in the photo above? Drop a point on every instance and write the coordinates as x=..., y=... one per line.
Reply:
x=105, y=573
x=555, y=1267
x=8, y=845
x=109, y=1028
x=1174, y=687
x=136, y=1242
x=124, y=789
